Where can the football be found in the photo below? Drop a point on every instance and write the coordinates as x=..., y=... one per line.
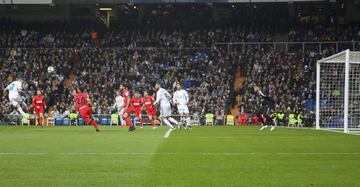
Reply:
x=50, y=69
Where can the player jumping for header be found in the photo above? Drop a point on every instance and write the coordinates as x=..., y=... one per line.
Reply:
x=267, y=104
x=82, y=102
x=15, y=98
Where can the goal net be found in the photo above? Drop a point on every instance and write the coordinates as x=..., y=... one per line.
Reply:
x=338, y=92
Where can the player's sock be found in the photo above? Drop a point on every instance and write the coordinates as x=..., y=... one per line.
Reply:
x=172, y=120
x=93, y=123
x=167, y=123
x=263, y=127
x=153, y=123
x=122, y=122
x=188, y=121
x=141, y=123
x=272, y=127
x=40, y=121
x=128, y=121
x=20, y=110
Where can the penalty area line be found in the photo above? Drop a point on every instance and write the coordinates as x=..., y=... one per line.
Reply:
x=174, y=153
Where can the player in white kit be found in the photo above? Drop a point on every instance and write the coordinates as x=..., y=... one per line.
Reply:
x=119, y=105
x=181, y=98
x=15, y=99
x=164, y=98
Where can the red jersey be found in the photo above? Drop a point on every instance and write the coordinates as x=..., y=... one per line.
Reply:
x=149, y=103
x=80, y=100
x=39, y=101
x=125, y=95
x=136, y=103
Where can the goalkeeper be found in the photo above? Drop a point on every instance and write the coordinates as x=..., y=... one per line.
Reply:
x=268, y=103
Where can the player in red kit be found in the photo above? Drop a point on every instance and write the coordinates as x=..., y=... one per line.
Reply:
x=39, y=105
x=127, y=108
x=148, y=103
x=82, y=102
x=136, y=107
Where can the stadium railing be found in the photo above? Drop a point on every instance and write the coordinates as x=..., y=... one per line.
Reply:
x=102, y=119
x=294, y=46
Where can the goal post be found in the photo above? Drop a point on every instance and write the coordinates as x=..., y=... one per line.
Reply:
x=338, y=92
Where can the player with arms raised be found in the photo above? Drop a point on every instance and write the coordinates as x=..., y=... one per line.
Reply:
x=164, y=98
x=148, y=103
x=39, y=105
x=181, y=98
x=82, y=102
x=267, y=104
x=15, y=98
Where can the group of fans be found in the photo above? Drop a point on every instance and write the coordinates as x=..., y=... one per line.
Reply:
x=124, y=103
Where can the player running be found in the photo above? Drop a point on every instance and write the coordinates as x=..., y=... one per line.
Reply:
x=148, y=103
x=136, y=107
x=181, y=98
x=82, y=102
x=39, y=105
x=127, y=108
x=164, y=98
x=267, y=104
x=15, y=98
x=119, y=105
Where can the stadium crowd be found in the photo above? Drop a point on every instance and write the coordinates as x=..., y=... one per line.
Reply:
x=103, y=60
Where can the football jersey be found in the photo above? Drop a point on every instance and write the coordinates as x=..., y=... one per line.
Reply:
x=125, y=95
x=163, y=97
x=149, y=103
x=181, y=97
x=80, y=100
x=14, y=88
x=136, y=103
x=39, y=101
x=119, y=101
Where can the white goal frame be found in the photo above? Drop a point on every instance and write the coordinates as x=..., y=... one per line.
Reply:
x=345, y=59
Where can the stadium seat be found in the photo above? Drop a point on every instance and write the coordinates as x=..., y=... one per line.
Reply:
x=230, y=120
x=58, y=121
x=105, y=121
x=25, y=121
x=209, y=119
x=114, y=119
x=66, y=121
x=73, y=119
x=80, y=121
x=50, y=121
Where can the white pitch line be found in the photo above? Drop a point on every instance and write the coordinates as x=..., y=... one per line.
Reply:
x=167, y=133
x=327, y=130
x=192, y=154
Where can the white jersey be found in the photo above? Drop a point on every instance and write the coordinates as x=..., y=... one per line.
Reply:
x=181, y=98
x=14, y=89
x=119, y=101
x=14, y=96
x=163, y=97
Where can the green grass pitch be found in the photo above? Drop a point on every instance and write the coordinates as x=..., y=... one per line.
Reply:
x=205, y=156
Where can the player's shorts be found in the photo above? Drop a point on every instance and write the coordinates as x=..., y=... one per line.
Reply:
x=183, y=109
x=165, y=110
x=85, y=113
x=137, y=112
x=14, y=101
x=151, y=112
x=128, y=110
x=121, y=111
x=39, y=111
